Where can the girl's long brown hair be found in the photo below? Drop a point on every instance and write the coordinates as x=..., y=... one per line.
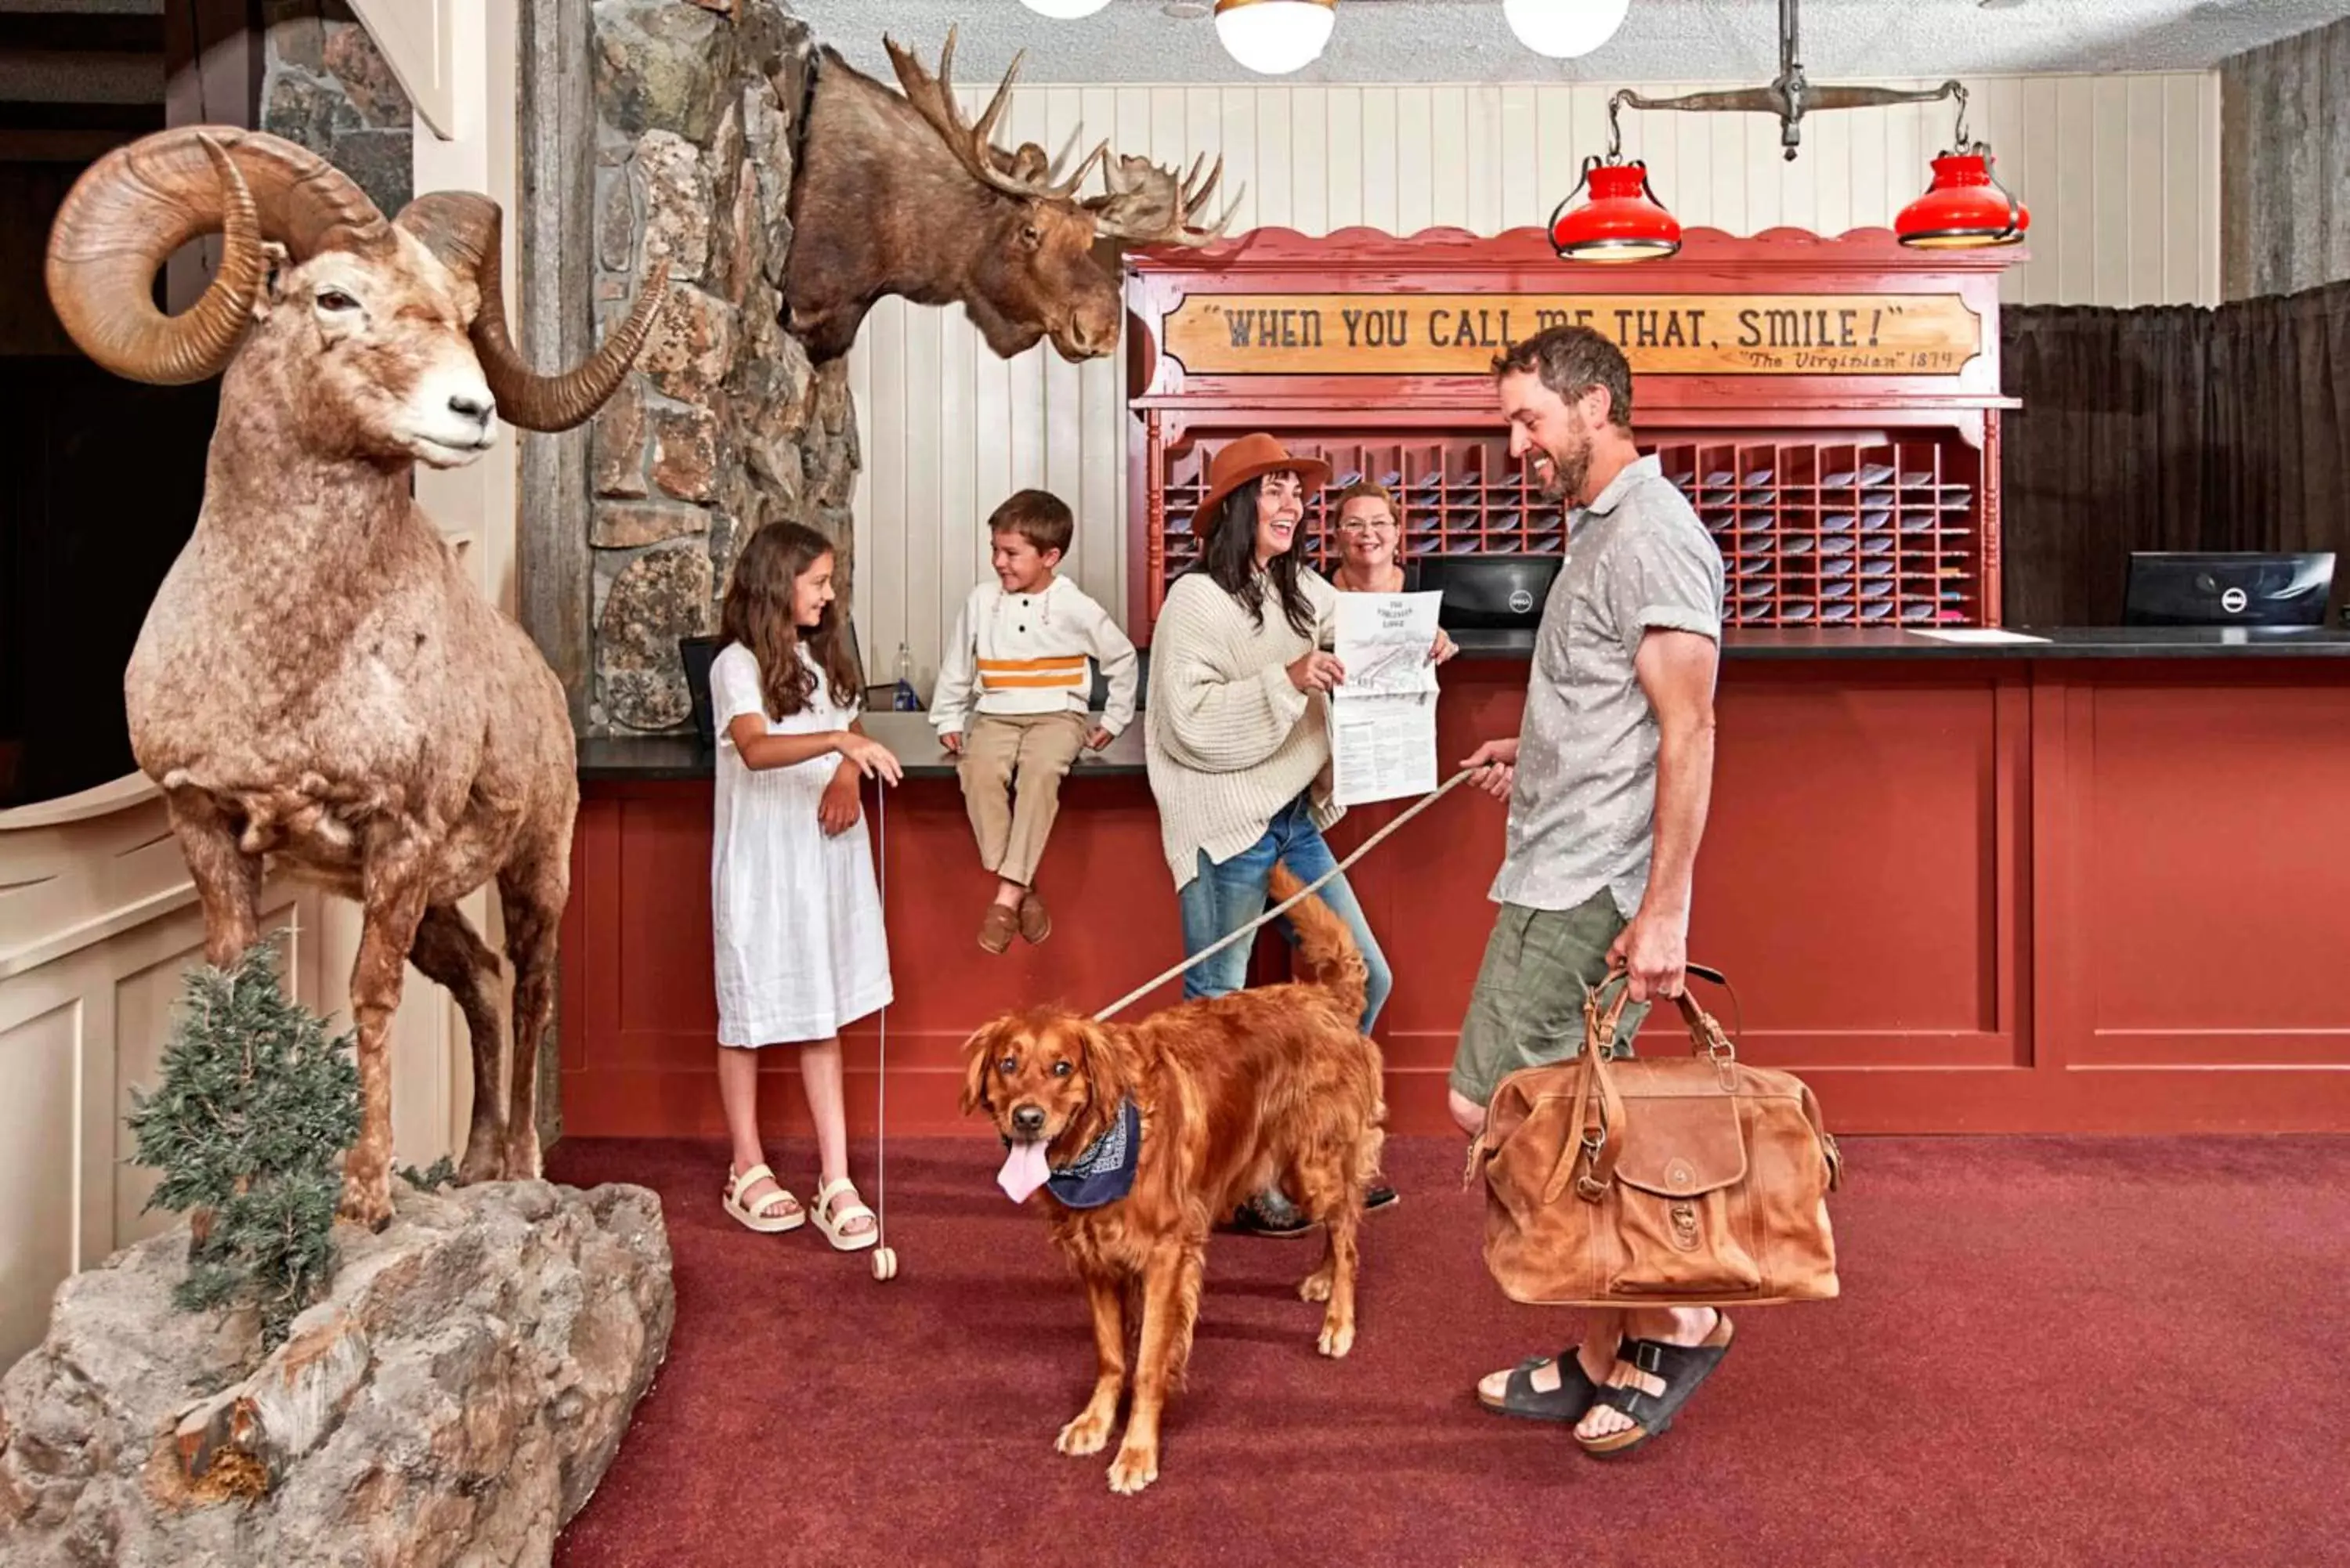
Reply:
x=1229, y=558
x=758, y=615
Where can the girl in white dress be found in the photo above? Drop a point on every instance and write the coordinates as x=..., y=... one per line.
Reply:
x=796, y=914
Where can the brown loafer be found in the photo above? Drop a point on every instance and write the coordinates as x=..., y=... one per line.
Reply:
x=995, y=930
x=1035, y=923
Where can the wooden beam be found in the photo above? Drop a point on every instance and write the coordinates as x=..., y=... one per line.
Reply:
x=54, y=32
x=554, y=229
x=131, y=118
x=65, y=145
x=213, y=58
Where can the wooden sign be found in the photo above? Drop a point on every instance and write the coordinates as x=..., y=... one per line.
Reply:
x=1661, y=334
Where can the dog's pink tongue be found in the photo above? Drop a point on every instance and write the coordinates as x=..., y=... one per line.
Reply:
x=1024, y=1170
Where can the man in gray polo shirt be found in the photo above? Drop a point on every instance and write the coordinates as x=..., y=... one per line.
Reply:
x=1607, y=781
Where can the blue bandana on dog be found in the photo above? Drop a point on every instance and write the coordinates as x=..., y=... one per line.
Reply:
x=1103, y=1171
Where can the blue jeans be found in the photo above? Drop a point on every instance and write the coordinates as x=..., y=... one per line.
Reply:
x=1223, y=898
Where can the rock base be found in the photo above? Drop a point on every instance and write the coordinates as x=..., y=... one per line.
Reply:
x=455, y=1400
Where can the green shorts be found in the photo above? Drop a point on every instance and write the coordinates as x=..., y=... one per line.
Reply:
x=1527, y=1008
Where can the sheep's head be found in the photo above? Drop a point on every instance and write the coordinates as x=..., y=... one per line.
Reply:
x=388, y=339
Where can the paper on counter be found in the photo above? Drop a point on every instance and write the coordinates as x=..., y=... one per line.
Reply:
x=1975, y=634
x=1383, y=714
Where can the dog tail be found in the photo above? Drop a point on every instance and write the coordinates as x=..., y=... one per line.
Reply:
x=1326, y=954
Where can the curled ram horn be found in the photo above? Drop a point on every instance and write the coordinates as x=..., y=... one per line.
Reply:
x=132, y=209
x=465, y=232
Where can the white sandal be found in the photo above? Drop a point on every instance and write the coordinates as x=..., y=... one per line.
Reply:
x=763, y=1217
x=830, y=1223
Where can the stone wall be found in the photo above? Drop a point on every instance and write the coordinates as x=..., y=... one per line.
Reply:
x=725, y=427
x=325, y=86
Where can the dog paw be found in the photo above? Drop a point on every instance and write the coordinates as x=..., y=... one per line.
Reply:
x=1337, y=1338
x=1315, y=1287
x=1133, y=1470
x=1088, y=1434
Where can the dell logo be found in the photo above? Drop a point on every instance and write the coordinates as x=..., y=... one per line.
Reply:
x=1522, y=601
x=2233, y=601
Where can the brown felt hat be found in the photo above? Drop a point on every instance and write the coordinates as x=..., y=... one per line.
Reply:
x=1250, y=457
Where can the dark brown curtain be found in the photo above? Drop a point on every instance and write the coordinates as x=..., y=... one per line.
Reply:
x=2169, y=428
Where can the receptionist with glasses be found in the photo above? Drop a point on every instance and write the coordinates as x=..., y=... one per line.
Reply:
x=1370, y=550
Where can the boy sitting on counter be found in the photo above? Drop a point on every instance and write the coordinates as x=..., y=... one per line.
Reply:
x=1019, y=667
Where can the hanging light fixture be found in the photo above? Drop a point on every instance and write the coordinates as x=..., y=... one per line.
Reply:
x=1274, y=37
x=1623, y=221
x=1964, y=206
x=1563, y=29
x=1065, y=10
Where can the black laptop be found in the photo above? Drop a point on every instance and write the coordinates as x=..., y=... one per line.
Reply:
x=1491, y=602
x=2169, y=587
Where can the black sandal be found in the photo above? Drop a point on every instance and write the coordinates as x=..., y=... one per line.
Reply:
x=1682, y=1366
x=1249, y=1219
x=1567, y=1402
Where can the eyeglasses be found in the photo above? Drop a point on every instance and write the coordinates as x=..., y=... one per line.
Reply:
x=1364, y=525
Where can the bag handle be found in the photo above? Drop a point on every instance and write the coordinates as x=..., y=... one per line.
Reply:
x=1598, y=1106
x=1705, y=1035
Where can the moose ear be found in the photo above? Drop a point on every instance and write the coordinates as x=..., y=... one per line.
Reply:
x=978, y=1055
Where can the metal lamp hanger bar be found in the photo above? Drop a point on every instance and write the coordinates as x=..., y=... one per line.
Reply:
x=1790, y=97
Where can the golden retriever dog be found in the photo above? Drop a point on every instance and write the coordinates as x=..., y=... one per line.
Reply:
x=1232, y=1094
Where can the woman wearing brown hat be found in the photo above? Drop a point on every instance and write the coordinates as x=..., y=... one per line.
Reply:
x=1236, y=732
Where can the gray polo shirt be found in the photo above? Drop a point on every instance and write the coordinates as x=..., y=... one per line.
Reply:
x=1582, y=813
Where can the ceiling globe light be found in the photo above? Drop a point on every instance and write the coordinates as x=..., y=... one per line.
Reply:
x=1563, y=29
x=1274, y=37
x=1065, y=10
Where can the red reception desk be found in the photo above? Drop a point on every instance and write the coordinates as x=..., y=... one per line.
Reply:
x=2096, y=883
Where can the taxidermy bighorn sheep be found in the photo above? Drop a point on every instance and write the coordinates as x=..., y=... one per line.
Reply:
x=901, y=195
x=317, y=681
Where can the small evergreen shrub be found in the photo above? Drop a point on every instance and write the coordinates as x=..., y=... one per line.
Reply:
x=440, y=1173
x=256, y=1108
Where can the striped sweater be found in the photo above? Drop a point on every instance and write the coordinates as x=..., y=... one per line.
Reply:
x=1032, y=653
x=1228, y=740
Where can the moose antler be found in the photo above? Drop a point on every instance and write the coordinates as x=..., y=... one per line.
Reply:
x=1021, y=174
x=1146, y=205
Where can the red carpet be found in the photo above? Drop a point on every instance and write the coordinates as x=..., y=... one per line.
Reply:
x=2048, y=1351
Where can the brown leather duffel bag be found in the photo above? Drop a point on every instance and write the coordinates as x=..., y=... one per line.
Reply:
x=1675, y=1181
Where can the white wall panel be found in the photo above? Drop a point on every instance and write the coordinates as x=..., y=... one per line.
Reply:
x=2120, y=172
x=39, y=1168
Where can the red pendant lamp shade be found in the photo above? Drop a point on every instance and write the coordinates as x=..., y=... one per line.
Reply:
x=1963, y=208
x=1622, y=221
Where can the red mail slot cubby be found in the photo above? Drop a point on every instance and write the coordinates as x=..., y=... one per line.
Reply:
x=1829, y=406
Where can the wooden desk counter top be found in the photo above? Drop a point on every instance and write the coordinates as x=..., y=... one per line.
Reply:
x=2087, y=885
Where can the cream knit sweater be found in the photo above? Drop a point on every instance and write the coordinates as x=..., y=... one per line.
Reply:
x=1228, y=740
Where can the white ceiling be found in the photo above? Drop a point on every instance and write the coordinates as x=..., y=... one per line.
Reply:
x=1661, y=40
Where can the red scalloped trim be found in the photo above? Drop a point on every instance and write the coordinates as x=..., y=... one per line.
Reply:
x=1277, y=243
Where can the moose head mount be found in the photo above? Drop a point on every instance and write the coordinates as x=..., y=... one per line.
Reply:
x=899, y=194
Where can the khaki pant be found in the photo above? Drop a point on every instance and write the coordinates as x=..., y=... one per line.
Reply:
x=1526, y=1008
x=1011, y=768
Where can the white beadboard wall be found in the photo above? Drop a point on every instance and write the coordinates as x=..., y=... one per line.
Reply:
x=2121, y=173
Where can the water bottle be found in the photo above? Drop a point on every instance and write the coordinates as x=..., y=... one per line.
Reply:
x=906, y=699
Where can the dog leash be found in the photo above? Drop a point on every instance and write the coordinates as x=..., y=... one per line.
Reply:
x=1422, y=804
x=884, y=1257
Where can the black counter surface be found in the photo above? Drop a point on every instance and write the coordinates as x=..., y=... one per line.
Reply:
x=2057, y=642
x=655, y=757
